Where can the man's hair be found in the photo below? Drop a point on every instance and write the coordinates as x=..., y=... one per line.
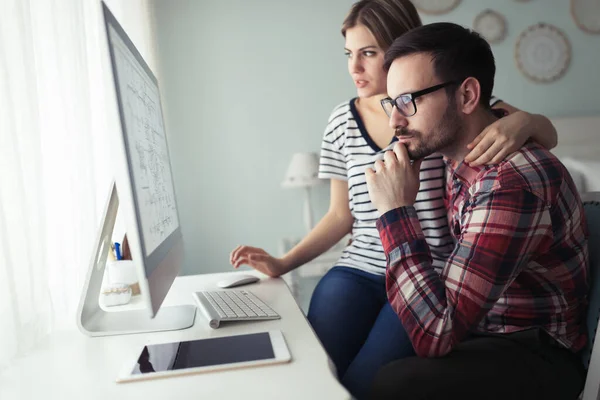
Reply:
x=457, y=53
x=386, y=19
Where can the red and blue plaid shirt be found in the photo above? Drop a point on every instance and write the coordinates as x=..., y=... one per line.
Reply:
x=519, y=260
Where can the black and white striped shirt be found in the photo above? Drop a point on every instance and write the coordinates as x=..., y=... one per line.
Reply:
x=346, y=151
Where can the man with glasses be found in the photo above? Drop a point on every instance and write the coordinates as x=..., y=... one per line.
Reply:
x=504, y=317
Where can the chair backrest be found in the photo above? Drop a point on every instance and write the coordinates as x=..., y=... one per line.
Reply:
x=591, y=356
x=591, y=205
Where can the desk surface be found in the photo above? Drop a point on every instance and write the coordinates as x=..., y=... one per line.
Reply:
x=70, y=365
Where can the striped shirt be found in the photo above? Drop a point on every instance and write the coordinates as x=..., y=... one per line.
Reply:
x=520, y=259
x=346, y=151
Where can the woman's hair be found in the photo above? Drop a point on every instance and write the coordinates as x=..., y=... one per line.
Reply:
x=386, y=19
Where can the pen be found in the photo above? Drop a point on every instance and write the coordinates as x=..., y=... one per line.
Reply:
x=118, y=251
x=111, y=253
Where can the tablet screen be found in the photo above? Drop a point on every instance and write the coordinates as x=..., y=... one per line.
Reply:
x=205, y=352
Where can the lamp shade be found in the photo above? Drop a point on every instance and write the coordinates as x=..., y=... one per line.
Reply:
x=302, y=171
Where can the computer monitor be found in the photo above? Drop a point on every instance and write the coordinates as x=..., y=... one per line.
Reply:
x=143, y=192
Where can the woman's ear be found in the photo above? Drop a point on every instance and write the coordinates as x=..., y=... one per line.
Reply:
x=469, y=94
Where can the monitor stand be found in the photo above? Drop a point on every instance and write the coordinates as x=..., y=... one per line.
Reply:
x=95, y=321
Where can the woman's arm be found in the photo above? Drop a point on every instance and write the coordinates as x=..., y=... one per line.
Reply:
x=539, y=126
x=508, y=134
x=336, y=223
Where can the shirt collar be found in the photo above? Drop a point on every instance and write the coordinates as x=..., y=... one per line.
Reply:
x=463, y=171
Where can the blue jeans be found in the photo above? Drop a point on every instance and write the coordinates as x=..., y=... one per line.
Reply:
x=361, y=333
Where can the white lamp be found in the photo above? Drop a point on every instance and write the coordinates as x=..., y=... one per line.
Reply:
x=302, y=173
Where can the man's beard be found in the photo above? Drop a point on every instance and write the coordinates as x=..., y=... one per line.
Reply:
x=443, y=135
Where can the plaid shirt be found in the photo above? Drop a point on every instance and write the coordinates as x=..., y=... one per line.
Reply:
x=519, y=260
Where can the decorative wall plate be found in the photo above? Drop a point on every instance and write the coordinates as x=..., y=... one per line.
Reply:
x=543, y=53
x=491, y=25
x=586, y=14
x=435, y=7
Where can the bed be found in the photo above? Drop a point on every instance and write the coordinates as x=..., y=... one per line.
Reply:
x=579, y=150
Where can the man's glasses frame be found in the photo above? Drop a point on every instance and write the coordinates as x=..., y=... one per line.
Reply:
x=402, y=102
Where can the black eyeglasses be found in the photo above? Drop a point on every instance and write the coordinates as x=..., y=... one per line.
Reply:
x=405, y=103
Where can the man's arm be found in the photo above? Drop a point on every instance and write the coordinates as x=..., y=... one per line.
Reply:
x=499, y=232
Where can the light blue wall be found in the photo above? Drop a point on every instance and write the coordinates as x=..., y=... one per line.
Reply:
x=245, y=85
x=576, y=94
x=248, y=83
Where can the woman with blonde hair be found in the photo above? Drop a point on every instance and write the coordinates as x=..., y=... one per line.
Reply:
x=349, y=310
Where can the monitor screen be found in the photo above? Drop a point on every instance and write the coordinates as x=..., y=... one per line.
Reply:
x=145, y=182
x=146, y=146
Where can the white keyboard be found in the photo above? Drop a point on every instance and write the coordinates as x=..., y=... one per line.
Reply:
x=232, y=305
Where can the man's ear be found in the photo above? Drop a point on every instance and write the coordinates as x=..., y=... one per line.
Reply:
x=468, y=95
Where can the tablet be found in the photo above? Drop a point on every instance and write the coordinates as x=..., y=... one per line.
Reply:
x=206, y=355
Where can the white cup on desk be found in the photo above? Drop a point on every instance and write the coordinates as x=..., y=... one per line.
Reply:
x=123, y=271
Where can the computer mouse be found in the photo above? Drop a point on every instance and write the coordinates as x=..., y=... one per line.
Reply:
x=237, y=280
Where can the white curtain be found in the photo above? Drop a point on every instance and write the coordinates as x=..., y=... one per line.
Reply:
x=56, y=104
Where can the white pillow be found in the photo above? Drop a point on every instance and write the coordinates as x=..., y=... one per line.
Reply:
x=574, y=168
x=591, y=172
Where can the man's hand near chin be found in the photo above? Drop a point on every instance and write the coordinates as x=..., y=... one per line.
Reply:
x=393, y=182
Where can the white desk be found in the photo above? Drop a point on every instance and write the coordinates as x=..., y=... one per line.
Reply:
x=70, y=365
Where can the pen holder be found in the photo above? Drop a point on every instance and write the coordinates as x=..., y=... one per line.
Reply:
x=123, y=271
x=116, y=295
